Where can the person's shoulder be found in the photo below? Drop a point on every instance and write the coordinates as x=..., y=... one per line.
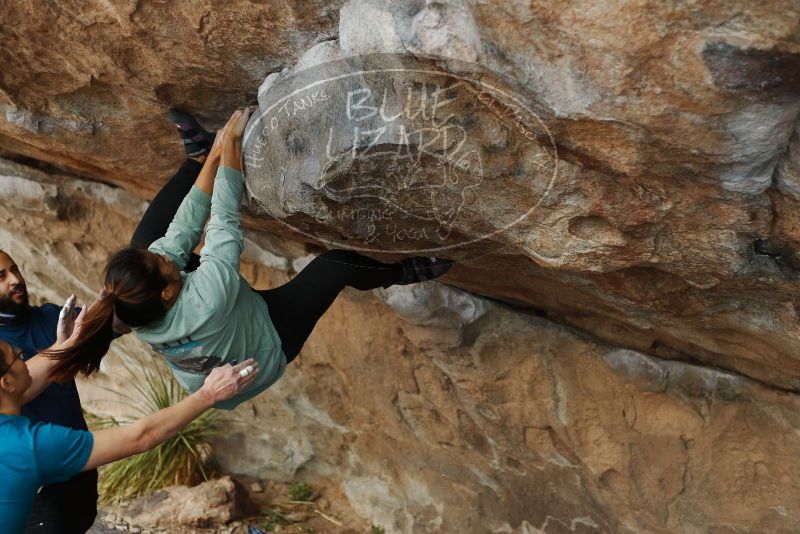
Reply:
x=60, y=452
x=47, y=306
x=52, y=434
x=46, y=313
x=198, y=294
x=8, y=421
x=48, y=309
x=17, y=428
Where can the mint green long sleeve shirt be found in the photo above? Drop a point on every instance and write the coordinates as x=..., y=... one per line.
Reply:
x=218, y=318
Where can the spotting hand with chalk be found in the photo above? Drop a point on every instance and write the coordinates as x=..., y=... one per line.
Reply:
x=67, y=319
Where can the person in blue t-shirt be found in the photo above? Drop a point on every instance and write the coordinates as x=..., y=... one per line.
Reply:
x=34, y=454
x=71, y=506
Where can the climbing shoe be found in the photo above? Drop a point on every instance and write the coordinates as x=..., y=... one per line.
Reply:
x=423, y=268
x=196, y=140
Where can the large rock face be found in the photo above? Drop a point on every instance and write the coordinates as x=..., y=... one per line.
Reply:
x=630, y=170
x=439, y=411
x=632, y=173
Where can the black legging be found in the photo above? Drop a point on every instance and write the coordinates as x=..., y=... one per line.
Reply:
x=296, y=306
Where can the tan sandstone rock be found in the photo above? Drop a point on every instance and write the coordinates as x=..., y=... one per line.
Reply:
x=218, y=501
x=669, y=225
x=662, y=162
x=472, y=417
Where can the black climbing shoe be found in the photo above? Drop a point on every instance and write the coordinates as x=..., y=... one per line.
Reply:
x=423, y=268
x=196, y=140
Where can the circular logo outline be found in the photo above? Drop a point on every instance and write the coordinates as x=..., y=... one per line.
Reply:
x=487, y=87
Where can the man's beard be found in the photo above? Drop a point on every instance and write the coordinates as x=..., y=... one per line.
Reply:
x=14, y=309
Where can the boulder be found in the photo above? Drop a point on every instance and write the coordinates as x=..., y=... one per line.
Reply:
x=444, y=411
x=212, y=503
x=629, y=169
x=641, y=200
x=617, y=348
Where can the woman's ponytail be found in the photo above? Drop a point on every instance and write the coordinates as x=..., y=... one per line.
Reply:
x=133, y=287
x=85, y=352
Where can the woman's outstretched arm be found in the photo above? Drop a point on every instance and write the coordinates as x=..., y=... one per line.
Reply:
x=63, y=452
x=184, y=231
x=165, y=204
x=205, y=180
x=232, y=145
x=114, y=444
x=224, y=241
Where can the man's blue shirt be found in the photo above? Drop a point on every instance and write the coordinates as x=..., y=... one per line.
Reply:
x=34, y=455
x=58, y=403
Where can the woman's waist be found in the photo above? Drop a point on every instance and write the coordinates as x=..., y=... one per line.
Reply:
x=192, y=375
x=201, y=356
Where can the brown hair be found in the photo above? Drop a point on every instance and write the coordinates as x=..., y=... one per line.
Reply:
x=132, y=289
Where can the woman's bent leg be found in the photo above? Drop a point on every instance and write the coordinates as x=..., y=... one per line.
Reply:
x=162, y=209
x=296, y=306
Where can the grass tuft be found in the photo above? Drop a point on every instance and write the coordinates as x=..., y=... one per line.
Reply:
x=273, y=518
x=300, y=491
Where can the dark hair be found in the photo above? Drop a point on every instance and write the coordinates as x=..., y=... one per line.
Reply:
x=132, y=288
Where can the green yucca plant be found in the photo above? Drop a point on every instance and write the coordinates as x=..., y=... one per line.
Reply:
x=181, y=460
